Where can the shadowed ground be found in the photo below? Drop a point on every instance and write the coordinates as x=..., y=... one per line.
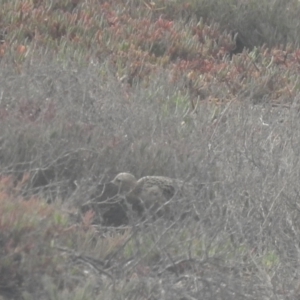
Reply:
x=125, y=198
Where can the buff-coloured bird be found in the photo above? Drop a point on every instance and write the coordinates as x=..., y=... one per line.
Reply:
x=153, y=192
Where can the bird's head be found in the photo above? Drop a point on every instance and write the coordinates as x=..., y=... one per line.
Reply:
x=125, y=182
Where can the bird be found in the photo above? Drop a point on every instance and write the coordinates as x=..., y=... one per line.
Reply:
x=150, y=192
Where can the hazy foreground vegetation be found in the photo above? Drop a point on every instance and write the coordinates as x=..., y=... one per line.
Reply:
x=92, y=88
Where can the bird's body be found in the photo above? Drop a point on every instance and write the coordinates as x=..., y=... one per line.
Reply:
x=156, y=185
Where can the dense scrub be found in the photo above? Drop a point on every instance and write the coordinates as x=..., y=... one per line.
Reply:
x=151, y=89
x=245, y=240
